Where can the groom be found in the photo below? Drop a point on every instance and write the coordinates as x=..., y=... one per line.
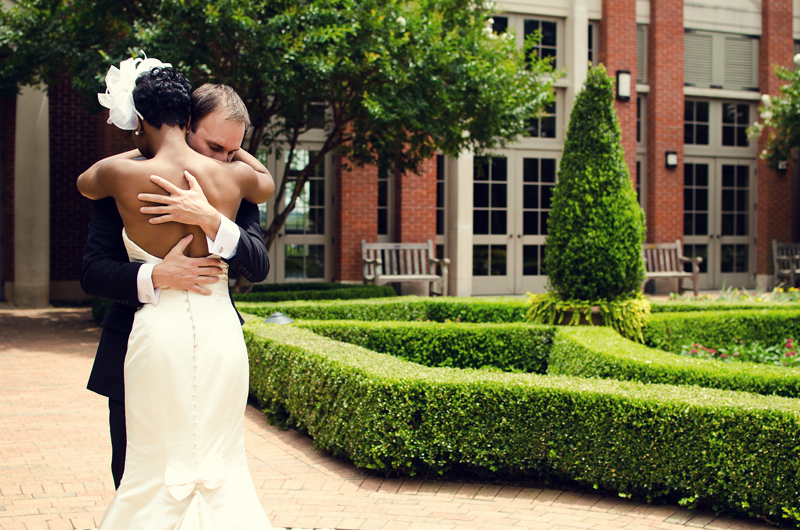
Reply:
x=216, y=129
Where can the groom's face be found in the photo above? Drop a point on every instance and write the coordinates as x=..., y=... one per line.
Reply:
x=216, y=137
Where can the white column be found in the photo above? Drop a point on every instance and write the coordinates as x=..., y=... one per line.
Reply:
x=577, y=45
x=460, y=234
x=32, y=200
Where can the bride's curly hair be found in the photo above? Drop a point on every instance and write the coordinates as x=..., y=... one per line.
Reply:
x=162, y=97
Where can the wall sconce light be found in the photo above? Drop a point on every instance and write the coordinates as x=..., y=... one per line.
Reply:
x=623, y=85
x=672, y=159
x=781, y=165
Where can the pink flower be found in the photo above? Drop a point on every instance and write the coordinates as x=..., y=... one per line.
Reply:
x=712, y=351
x=736, y=354
x=696, y=345
x=693, y=350
x=723, y=356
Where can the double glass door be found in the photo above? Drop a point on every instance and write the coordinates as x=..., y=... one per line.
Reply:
x=512, y=191
x=719, y=220
x=302, y=251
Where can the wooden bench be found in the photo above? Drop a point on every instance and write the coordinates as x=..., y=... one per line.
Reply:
x=785, y=263
x=665, y=260
x=403, y=262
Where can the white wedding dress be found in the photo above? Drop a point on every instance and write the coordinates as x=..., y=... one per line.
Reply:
x=186, y=384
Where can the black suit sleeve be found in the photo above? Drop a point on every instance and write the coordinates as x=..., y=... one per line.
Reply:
x=251, y=259
x=106, y=269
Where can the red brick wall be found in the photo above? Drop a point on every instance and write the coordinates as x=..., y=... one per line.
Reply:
x=618, y=52
x=775, y=201
x=10, y=105
x=356, y=214
x=665, y=121
x=75, y=144
x=415, y=204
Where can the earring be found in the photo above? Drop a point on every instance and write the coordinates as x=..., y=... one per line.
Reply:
x=136, y=133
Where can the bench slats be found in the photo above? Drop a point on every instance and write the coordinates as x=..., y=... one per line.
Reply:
x=402, y=262
x=665, y=260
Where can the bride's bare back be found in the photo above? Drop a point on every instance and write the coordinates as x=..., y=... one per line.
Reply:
x=224, y=185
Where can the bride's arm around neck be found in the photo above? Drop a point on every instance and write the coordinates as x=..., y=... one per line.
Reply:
x=89, y=184
x=257, y=187
x=100, y=180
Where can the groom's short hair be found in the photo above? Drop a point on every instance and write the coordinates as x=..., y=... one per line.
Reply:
x=161, y=96
x=210, y=98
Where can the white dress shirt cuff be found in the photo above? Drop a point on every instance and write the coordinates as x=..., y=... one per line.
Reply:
x=227, y=240
x=144, y=284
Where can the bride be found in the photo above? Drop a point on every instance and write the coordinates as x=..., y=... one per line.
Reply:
x=186, y=370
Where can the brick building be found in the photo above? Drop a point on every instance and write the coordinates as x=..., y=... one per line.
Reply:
x=697, y=70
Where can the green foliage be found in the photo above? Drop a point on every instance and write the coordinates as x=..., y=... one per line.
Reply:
x=343, y=292
x=722, y=329
x=684, y=306
x=728, y=450
x=780, y=116
x=407, y=308
x=781, y=354
x=628, y=315
x=380, y=77
x=599, y=352
x=595, y=227
x=506, y=347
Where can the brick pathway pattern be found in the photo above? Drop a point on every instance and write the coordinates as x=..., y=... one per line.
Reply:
x=55, y=451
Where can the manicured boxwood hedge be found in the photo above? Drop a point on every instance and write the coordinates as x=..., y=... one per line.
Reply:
x=343, y=292
x=601, y=352
x=728, y=450
x=302, y=286
x=721, y=329
x=682, y=306
x=400, y=308
x=507, y=347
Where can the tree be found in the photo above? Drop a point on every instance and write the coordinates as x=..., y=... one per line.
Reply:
x=383, y=78
x=595, y=227
x=780, y=117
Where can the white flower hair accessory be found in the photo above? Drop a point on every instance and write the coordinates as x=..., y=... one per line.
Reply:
x=118, y=97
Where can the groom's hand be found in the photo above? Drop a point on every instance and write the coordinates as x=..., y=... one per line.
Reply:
x=179, y=271
x=189, y=207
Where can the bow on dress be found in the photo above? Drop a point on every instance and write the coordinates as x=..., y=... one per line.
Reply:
x=181, y=481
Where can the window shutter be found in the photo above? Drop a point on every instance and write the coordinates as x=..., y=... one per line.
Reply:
x=697, y=59
x=641, y=53
x=741, y=71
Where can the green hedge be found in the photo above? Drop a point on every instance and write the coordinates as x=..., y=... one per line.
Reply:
x=302, y=286
x=507, y=347
x=728, y=450
x=601, y=352
x=343, y=293
x=681, y=306
x=405, y=308
x=721, y=329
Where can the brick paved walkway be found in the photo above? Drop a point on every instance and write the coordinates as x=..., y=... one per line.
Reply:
x=55, y=450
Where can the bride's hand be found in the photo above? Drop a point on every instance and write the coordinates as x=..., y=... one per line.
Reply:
x=188, y=207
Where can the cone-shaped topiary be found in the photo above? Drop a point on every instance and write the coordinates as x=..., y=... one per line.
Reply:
x=596, y=227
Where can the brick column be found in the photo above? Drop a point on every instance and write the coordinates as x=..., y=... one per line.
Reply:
x=618, y=52
x=356, y=217
x=415, y=204
x=774, y=196
x=75, y=144
x=665, y=121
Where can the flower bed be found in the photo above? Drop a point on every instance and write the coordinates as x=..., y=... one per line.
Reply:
x=730, y=450
x=784, y=354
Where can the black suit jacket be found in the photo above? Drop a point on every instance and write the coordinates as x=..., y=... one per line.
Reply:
x=108, y=273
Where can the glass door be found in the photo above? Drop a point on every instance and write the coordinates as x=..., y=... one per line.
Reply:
x=538, y=178
x=512, y=192
x=719, y=220
x=491, y=240
x=302, y=251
